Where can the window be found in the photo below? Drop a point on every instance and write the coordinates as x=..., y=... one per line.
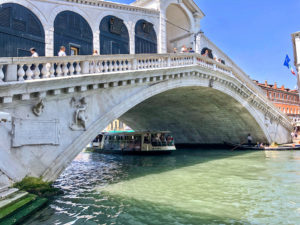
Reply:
x=74, y=50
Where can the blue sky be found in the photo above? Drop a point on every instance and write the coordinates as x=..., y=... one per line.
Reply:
x=255, y=34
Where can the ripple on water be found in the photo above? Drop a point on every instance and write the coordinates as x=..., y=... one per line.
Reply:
x=188, y=187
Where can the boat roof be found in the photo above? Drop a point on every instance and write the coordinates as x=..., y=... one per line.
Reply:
x=135, y=133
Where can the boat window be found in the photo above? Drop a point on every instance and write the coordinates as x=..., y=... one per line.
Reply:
x=147, y=138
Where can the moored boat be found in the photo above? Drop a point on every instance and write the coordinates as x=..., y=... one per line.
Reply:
x=255, y=147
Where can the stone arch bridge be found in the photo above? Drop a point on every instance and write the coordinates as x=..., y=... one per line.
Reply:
x=51, y=107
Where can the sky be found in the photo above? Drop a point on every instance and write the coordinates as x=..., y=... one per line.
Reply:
x=255, y=34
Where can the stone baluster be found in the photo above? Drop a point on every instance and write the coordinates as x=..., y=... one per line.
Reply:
x=105, y=66
x=141, y=64
x=1, y=74
x=71, y=69
x=91, y=67
x=36, y=71
x=134, y=64
x=58, y=70
x=121, y=65
x=116, y=66
x=78, y=68
x=128, y=65
x=21, y=72
x=110, y=66
x=149, y=64
x=65, y=69
x=29, y=72
x=169, y=62
x=52, y=70
x=101, y=66
x=96, y=67
x=45, y=70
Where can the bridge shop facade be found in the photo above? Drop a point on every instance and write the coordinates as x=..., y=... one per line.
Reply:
x=84, y=26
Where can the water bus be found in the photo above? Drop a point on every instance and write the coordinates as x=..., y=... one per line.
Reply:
x=134, y=142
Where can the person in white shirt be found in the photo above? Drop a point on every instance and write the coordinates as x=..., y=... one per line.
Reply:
x=249, y=138
x=62, y=51
x=34, y=53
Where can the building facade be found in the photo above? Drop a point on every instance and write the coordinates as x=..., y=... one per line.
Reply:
x=145, y=26
x=285, y=99
x=117, y=125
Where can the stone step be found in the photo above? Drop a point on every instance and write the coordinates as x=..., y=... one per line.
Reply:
x=3, y=187
x=23, y=213
x=14, y=208
x=12, y=198
x=8, y=192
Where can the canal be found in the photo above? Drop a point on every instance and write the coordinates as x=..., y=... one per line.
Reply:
x=186, y=187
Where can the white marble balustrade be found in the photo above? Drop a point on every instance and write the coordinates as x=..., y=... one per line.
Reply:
x=27, y=68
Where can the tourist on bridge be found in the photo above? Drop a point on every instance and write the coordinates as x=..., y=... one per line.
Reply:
x=62, y=51
x=191, y=50
x=34, y=53
x=183, y=49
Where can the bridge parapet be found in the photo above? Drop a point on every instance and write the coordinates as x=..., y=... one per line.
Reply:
x=27, y=70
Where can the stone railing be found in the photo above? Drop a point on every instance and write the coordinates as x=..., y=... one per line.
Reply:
x=27, y=68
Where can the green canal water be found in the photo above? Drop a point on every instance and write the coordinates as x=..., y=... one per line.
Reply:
x=186, y=187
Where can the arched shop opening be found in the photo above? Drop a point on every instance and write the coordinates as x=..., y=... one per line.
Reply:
x=114, y=37
x=145, y=38
x=20, y=30
x=178, y=28
x=72, y=31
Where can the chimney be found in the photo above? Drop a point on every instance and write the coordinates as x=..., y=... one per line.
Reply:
x=275, y=85
x=282, y=87
x=266, y=83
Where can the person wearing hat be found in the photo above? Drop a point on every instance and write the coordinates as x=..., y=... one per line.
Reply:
x=34, y=53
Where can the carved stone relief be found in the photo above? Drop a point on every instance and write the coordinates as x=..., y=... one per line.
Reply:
x=79, y=117
x=38, y=108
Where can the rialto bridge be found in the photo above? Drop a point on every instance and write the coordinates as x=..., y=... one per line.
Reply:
x=52, y=107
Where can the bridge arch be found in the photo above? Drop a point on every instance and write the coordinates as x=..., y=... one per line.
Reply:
x=179, y=26
x=20, y=29
x=74, y=32
x=114, y=36
x=243, y=112
x=145, y=37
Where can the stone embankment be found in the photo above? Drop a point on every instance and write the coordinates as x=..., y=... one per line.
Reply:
x=16, y=205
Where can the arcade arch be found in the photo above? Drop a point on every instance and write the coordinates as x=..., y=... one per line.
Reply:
x=72, y=31
x=114, y=37
x=20, y=29
x=178, y=28
x=145, y=37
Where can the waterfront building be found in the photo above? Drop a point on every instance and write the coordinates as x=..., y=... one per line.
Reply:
x=117, y=125
x=287, y=100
